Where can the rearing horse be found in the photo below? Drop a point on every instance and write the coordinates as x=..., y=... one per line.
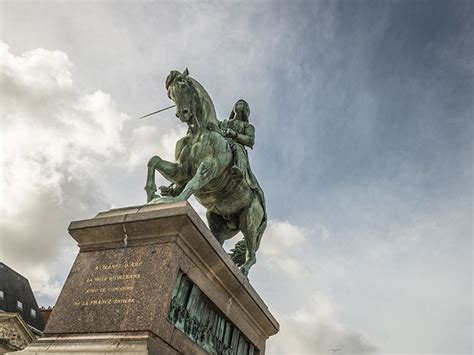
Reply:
x=203, y=168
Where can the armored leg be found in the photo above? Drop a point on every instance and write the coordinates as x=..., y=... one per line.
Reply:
x=240, y=160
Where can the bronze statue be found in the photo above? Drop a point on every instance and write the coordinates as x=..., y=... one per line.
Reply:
x=212, y=163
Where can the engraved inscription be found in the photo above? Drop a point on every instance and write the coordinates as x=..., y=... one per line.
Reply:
x=113, y=278
x=105, y=301
x=119, y=266
x=110, y=284
x=109, y=289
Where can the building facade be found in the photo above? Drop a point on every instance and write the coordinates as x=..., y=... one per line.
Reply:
x=21, y=320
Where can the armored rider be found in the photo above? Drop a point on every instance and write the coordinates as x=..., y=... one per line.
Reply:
x=240, y=134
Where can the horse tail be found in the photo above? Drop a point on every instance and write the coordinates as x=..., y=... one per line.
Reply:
x=239, y=253
x=261, y=229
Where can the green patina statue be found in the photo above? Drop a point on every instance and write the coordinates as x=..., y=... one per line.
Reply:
x=212, y=163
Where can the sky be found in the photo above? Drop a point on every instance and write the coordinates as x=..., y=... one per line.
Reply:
x=364, y=147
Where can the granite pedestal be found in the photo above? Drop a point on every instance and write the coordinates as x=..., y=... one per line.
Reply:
x=153, y=280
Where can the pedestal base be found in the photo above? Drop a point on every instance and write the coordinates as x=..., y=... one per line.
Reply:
x=154, y=280
x=100, y=344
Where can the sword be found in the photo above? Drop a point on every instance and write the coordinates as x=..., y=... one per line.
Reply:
x=163, y=109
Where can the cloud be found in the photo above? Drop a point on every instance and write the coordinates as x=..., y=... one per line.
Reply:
x=153, y=139
x=309, y=317
x=61, y=150
x=55, y=142
x=281, y=242
x=315, y=328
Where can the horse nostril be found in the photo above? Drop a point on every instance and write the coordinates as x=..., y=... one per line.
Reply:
x=185, y=112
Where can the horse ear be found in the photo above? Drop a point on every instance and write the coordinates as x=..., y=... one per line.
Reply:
x=186, y=72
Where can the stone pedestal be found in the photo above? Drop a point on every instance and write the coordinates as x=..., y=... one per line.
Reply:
x=153, y=280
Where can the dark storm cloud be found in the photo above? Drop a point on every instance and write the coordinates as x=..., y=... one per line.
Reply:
x=370, y=132
x=363, y=87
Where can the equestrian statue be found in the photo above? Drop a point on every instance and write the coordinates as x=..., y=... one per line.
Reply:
x=212, y=164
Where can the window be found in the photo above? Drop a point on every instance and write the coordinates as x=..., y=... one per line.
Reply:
x=19, y=305
x=33, y=313
x=2, y=295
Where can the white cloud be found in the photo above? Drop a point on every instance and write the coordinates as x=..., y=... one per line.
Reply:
x=310, y=320
x=60, y=149
x=315, y=328
x=55, y=142
x=41, y=281
x=148, y=140
x=45, y=71
x=280, y=243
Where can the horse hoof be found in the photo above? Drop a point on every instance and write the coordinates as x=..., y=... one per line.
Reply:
x=156, y=200
x=166, y=199
x=244, y=271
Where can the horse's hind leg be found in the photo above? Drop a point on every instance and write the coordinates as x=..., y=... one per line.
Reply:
x=218, y=226
x=249, y=223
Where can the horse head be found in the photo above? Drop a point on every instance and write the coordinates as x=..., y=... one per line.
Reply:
x=193, y=104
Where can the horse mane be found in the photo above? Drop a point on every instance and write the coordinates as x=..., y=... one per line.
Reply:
x=209, y=111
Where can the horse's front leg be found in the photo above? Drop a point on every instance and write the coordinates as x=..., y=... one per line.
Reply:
x=207, y=170
x=170, y=171
x=150, y=186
